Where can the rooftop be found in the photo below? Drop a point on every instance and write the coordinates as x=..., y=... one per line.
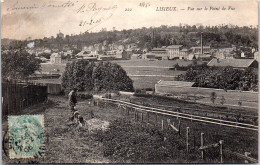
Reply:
x=174, y=46
x=55, y=55
x=176, y=83
x=237, y=63
x=158, y=49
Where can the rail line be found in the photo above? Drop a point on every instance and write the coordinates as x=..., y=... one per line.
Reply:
x=183, y=115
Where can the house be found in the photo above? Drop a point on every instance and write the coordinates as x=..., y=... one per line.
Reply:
x=174, y=51
x=197, y=50
x=55, y=58
x=184, y=53
x=225, y=53
x=236, y=63
x=160, y=53
x=148, y=56
x=105, y=58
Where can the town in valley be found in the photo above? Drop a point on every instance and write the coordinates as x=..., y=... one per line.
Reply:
x=159, y=92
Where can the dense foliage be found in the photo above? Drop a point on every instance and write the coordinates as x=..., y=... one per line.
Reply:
x=100, y=76
x=18, y=64
x=216, y=36
x=226, y=78
x=111, y=76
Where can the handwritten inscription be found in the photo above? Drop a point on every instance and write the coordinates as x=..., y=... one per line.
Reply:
x=97, y=14
x=19, y=6
x=94, y=14
x=93, y=7
x=94, y=20
x=144, y=4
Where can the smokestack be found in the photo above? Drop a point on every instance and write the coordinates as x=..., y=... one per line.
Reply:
x=201, y=42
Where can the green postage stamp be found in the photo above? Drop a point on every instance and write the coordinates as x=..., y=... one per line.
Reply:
x=26, y=134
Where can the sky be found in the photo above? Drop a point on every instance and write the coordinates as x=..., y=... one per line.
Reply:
x=22, y=19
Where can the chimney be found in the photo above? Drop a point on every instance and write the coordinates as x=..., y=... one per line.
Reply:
x=201, y=42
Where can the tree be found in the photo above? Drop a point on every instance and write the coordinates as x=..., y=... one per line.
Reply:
x=100, y=76
x=110, y=76
x=78, y=74
x=18, y=64
x=213, y=97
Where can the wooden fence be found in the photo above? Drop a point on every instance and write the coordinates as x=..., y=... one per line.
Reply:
x=145, y=109
x=51, y=88
x=16, y=97
x=139, y=112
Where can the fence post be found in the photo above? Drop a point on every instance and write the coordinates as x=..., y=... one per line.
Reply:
x=147, y=117
x=156, y=118
x=168, y=123
x=136, y=115
x=247, y=154
x=187, y=138
x=194, y=144
x=221, y=151
x=179, y=126
x=202, y=144
x=162, y=124
x=142, y=116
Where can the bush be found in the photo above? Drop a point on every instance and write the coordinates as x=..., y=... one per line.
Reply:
x=100, y=76
x=111, y=77
x=226, y=78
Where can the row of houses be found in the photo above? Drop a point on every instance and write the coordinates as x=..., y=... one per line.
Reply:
x=178, y=52
x=109, y=47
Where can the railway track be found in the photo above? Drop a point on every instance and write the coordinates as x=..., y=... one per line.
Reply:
x=187, y=116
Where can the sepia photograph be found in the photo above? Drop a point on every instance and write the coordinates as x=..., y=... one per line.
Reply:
x=126, y=82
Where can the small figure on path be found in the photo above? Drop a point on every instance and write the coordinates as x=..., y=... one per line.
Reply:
x=72, y=101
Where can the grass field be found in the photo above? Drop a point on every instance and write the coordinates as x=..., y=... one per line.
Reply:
x=66, y=144
x=135, y=69
x=231, y=97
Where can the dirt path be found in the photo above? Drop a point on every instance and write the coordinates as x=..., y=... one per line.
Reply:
x=65, y=143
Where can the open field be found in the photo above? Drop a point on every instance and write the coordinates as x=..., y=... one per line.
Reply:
x=144, y=73
x=66, y=144
x=202, y=95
